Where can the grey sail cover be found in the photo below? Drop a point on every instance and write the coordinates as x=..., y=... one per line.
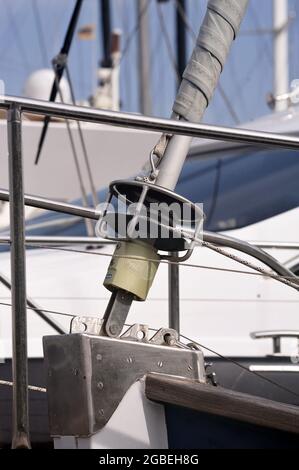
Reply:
x=220, y=27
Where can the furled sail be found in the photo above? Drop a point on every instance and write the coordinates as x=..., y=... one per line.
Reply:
x=220, y=27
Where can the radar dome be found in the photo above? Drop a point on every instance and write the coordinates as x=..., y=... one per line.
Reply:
x=39, y=84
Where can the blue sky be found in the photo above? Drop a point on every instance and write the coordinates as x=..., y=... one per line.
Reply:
x=247, y=77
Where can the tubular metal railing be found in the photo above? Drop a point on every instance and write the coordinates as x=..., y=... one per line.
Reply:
x=81, y=240
x=135, y=121
x=15, y=106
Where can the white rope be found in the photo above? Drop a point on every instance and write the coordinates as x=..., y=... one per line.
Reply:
x=30, y=387
x=263, y=272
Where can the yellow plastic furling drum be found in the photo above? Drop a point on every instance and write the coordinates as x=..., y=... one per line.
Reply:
x=133, y=268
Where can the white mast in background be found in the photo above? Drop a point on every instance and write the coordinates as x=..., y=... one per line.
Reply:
x=281, y=52
x=144, y=58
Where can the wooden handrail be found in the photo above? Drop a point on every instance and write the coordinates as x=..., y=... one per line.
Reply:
x=222, y=402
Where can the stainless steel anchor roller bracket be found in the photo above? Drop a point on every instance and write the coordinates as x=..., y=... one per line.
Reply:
x=88, y=376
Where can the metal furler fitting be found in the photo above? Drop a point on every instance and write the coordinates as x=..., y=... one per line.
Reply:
x=88, y=375
x=155, y=209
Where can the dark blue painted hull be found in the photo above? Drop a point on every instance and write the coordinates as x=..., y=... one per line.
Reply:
x=187, y=429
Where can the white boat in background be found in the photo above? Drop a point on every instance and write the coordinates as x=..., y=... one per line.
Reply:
x=220, y=309
x=221, y=318
x=105, y=146
x=248, y=193
x=55, y=176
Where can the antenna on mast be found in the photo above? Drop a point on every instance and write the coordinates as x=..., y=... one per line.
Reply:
x=60, y=63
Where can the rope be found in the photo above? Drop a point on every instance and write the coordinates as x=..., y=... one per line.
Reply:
x=89, y=227
x=40, y=33
x=83, y=144
x=34, y=388
x=263, y=272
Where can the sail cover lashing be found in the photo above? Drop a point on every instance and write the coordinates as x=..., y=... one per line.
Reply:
x=220, y=27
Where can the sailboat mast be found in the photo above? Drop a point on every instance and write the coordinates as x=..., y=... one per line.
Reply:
x=144, y=58
x=281, y=51
x=105, y=21
x=107, y=93
x=181, y=38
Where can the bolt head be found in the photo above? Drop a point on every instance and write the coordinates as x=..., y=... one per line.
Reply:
x=113, y=329
x=100, y=385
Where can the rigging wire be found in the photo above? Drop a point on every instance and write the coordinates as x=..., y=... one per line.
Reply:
x=267, y=49
x=221, y=356
x=260, y=271
x=158, y=80
x=83, y=144
x=264, y=51
x=40, y=33
x=34, y=309
x=240, y=85
x=167, y=41
x=81, y=80
x=238, y=364
x=127, y=84
x=134, y=32
x=88, y=223
x=216, y=189
x=131, y=35
x=183, y=336
x=6, y=283
x=228, y=104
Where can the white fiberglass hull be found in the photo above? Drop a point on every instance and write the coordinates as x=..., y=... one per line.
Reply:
x=218, y=309
x=113, y=153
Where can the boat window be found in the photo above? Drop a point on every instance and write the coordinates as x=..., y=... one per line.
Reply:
x=242, y=187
